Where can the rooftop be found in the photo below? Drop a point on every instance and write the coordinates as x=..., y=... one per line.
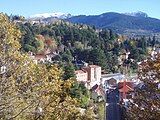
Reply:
x=111, y=75
x=80, y=71
x=126, y=86
x=94, y=66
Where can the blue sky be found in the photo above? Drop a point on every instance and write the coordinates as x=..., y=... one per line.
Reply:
x=76, y=7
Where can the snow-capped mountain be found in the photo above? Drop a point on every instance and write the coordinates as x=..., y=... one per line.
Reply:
x=54, y=15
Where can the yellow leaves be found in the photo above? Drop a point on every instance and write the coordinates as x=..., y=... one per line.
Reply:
x=54, y=72
x=10, y=33
x=68, y=84
x=157, y=63
x=27, y=86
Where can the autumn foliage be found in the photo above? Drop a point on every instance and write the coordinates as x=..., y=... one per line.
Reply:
x=146, y=103
x=30, y=91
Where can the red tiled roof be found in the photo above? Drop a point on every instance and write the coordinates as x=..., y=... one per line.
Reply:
x=126, y=89
x=129, y=83
x=126, y=86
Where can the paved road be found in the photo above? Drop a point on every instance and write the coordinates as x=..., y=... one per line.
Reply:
x=113, y=109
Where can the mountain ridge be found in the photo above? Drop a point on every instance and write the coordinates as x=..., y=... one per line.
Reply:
x=132, y=24
x=121, y=23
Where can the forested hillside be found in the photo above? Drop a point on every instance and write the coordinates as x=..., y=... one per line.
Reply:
x=121, y=23
x=76, y=42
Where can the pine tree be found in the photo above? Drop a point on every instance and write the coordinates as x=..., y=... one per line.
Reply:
x=98, y=57
x=68, y=71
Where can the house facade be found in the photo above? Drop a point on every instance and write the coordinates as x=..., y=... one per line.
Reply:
x=90, y=74
x=81, y=75
x=44, y=57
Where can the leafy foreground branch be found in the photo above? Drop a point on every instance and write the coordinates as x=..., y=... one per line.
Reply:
x=32, y=91
x=146, y=102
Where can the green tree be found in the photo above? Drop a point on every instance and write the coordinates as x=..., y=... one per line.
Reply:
x=68, y=71
x=28, y=41
x=78, y=45
x=67, y=56
x=98, y=57
x=79, y=91
x=111, y=62
x=112, y=35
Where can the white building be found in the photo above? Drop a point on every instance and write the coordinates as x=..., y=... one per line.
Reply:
x=81, y=75
x=94, y=74
x=90, y=74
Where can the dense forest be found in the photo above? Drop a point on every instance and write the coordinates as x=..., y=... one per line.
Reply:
x=77, y=42
x=137, y=24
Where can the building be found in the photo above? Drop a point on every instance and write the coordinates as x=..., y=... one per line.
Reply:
x=44, y=57
x=39, y=58
x=126, y=90
x=94, y=74
x=90, y=74
x=81, y=75
x=124, y=55
x=107, y=80
x=111, y=82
